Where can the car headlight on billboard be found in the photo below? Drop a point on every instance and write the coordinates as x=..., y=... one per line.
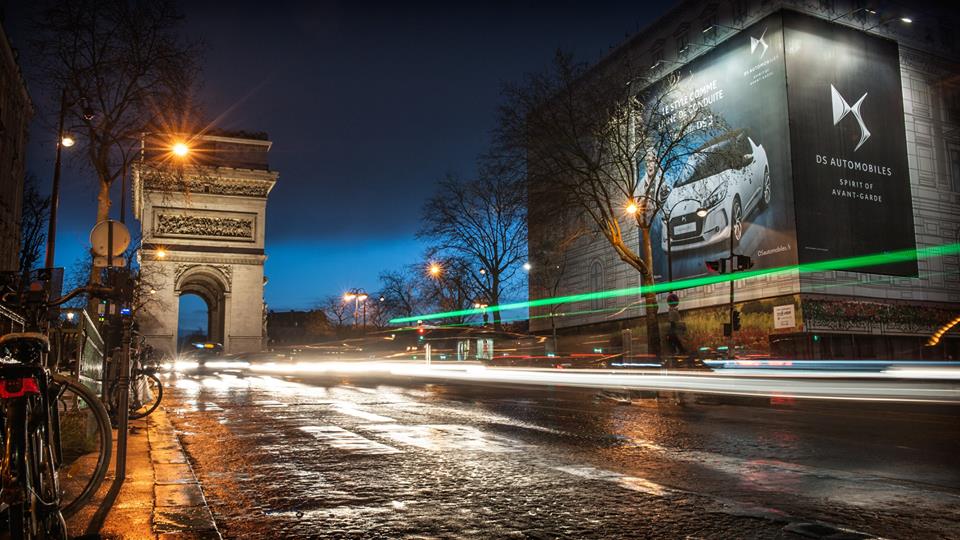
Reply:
x=716, y=197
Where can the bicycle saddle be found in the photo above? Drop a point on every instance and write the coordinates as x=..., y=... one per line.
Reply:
x=27, y=342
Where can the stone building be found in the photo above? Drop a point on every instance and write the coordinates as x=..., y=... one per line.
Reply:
x=15, y=112
x=202, y=217
x=885, y=311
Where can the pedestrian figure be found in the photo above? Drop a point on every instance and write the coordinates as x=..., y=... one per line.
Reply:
x=676, y=325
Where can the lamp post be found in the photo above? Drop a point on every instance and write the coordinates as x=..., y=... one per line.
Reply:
x=62, y=140
x=632, y=209
x=357, y=296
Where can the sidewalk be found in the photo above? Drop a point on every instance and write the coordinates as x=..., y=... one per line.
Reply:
x=160, y=499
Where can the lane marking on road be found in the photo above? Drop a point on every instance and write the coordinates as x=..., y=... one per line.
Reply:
x=634, y=483
x=858, y=489
x=341, y=439
x=269, y=403
x=350, y=410
x=447, y=437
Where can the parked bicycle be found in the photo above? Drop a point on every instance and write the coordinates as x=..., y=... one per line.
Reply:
x=53, y=427
x=146, y=391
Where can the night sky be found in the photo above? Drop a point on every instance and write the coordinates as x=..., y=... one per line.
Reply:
x=367, y=105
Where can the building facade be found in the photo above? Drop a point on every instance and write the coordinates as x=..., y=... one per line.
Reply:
x=15, y=112
x=848, y=117
x=203, y=218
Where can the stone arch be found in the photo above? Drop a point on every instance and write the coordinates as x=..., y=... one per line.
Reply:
x=212, y=285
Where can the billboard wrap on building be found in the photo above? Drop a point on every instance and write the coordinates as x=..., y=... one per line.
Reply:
x=849, y=143
x=815, y=110
x=742, y=176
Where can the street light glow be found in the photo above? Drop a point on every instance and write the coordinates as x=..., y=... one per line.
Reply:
x=161, y=253
x=180, y=149
x=67, y=141
x=632, y=208
x=907, y=20
x=348, y=297
x=435, y=269
x=527, y=266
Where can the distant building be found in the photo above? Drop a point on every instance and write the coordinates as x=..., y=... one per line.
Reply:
x=297, y=327
x=859, y=154
x=15, y=112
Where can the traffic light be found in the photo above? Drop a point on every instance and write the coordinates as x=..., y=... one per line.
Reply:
x=717, y=267
x=743, y=262
x=420, y=330
x=736, y=320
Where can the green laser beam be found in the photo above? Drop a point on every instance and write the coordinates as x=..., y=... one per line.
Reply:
x=877, y=259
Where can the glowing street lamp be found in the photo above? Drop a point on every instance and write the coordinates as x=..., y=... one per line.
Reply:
x=161, y=253
x=357, y=296
x=180, y=149
x=67, y=141
x=435, y=270
x=632, y=208
x=527, y=266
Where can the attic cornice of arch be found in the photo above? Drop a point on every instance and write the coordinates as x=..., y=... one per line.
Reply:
x=172, y=257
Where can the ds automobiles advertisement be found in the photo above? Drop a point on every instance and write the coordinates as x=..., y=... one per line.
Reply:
x=832, y=182
x=849, y=145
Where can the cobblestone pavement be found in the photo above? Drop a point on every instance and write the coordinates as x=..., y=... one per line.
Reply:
x=282, y=458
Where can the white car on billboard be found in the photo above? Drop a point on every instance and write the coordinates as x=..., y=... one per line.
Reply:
x=725, y=180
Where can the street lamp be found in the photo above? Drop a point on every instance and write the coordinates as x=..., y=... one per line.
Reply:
x=701, y=213
x=180, y=149
x=527, y=266
x=435, y=270
x=357, y=296
x=483, y=307
x=63, y=141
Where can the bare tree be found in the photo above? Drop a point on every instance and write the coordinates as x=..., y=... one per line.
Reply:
x=33, y=224
x=604, y=141
x=454, y=288
x=123, y=69
x=336, y=310
x=481, y=223
x=401, y=292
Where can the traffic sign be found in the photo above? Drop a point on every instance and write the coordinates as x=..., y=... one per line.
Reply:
x=109, y=238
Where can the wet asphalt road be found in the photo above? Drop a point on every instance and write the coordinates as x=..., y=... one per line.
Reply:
x=325, y=458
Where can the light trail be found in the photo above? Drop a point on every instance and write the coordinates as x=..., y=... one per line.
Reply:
x=823, y=266
x=898, y=382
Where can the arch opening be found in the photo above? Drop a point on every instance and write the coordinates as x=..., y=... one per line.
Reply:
x=193, y=322
x=206, y=287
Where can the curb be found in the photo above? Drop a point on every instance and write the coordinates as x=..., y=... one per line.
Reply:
x=180, y=510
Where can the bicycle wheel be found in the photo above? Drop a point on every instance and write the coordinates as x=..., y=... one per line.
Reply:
x=148, y=397
x=86, y=440
x=16, y=465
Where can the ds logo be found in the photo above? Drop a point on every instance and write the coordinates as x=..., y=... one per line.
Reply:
x=841, y=108
x=759, y=42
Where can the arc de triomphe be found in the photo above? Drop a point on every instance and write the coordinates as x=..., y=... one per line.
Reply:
x=202, y=218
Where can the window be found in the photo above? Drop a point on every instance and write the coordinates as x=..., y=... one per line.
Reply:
x=683, y=44
x=739, y=10
x=955, y=168
x=656, y=58
x=596, y=283
x=710, y=28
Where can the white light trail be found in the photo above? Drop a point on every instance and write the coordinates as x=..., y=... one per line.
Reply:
x=894, y=384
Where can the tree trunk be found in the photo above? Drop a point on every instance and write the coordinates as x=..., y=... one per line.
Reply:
x=651, y=307
x=553, y=327
x=103, y=213
x=495, y=301
x=103, y=202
